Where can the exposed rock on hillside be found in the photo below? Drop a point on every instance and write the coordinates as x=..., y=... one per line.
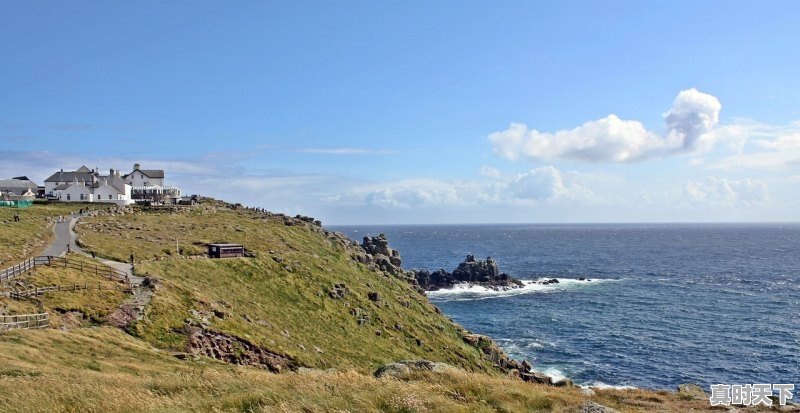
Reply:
x=235, y=350
x=403, y=369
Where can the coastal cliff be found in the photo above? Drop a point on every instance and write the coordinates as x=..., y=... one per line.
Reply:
x=342, y=322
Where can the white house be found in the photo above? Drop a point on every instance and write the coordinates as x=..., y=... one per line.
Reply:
x=145, y=177
x=81, y=175
x=148, y=185
x=87, y=185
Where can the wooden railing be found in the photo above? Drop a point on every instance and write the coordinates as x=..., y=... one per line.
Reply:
x=18, y=269
x=8, y=322
x=31, y=263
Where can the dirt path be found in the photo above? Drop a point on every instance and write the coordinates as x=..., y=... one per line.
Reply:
x=132, y=309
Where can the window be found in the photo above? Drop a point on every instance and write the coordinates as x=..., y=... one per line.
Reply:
x=68, y=197
x=109, y=196
x=81, y=197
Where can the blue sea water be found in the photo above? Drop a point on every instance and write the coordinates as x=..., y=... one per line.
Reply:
x=666, y=304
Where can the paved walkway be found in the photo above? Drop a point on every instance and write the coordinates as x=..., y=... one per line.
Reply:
x=65, y=235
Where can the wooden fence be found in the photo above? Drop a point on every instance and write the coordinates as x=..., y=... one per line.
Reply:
x=31, y=263
x=18, y=269
x=8, y=322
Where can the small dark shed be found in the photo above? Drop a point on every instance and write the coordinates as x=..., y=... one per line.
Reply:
x=225, y=250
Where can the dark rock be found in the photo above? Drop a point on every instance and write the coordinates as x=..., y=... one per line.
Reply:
x=562, y=383
x=338, y=291
x=373, y=296
x=471, y=271
x=526, y=366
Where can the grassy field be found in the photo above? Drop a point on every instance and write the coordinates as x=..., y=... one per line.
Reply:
x=24, y=239
x=279, y=299
x=104, y=370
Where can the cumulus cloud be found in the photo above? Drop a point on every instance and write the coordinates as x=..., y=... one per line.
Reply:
x=537, y=186
x=724, y=192
x=689, y=126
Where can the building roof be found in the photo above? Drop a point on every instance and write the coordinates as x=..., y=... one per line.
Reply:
x=151, y=173
x=83, y=174
x=113, y=180
x=17, y=186
x=67, y=185
x=224, y=245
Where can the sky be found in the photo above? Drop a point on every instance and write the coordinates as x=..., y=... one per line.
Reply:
x=404, y=112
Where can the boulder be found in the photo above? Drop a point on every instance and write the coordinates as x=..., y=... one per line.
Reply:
x=592, y=407
x=691, y=391
x=402, y=369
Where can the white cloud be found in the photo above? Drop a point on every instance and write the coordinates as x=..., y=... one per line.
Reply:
x=537, y=186
x=689, y=128
x=782, y=143
x=490, y=172
x=724, y=192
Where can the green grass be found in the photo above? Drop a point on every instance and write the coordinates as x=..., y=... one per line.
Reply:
x=30, y=236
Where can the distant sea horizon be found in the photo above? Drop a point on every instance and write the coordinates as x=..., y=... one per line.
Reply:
x=661, y=303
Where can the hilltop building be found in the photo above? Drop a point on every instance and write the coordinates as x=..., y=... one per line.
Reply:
x=87, y=185
x=147, y=185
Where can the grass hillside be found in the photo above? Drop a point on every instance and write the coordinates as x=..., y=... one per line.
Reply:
x=29, y=236
x=102, y=369
x=278, y=299
x=276, y=304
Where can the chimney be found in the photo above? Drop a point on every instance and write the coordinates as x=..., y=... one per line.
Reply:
x=111, y=172
x=135, y=166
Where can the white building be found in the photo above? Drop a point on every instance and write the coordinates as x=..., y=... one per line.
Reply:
x=144, y=177
x=87, y=185
x=148, y=185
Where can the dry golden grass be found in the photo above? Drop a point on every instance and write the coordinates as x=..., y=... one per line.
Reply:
x=90, y=305
x=104, y=370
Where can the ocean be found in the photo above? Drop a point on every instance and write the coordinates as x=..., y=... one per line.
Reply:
x=663, y=304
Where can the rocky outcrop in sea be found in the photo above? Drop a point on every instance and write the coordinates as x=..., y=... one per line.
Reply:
x=484, y=273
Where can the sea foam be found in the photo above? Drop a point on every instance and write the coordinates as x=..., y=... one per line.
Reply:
x=468, y=291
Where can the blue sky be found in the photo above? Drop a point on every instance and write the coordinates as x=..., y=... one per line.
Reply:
x=419, y=112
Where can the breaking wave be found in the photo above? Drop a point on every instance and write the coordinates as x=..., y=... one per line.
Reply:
x=468, y=291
